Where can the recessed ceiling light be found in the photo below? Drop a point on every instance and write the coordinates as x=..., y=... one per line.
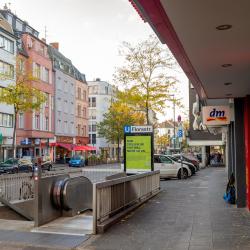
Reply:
x=227, y=83
x=224, y=27
x=226, y=65
x=228, y=94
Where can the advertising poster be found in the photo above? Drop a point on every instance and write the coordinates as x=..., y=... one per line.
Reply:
x=138, y=152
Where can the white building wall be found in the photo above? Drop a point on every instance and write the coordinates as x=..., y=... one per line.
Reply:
x=9, y=58
x=103, y=101
x=64, y=104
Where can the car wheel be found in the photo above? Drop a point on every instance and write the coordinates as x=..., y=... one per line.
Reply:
x=15, y=171
x=192, y=170
x=183, y=174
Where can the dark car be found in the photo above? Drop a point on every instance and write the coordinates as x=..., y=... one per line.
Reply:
x=77, y=161
x=187, y=158
x=15, y=165
x=190, y=165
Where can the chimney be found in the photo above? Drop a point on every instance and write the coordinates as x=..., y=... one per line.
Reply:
x=55, y=45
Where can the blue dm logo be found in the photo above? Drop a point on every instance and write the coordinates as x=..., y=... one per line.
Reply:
x=127, y=129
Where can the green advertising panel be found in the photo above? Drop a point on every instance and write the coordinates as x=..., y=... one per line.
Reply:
x=138, y=152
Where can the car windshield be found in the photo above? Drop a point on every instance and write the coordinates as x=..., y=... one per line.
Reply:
x=76, y=157
x=8, y=162
x=174, y=158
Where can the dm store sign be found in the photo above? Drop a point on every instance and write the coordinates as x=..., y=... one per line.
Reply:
x=216, y=115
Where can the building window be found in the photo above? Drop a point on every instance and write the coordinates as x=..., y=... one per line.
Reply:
x=106, y=90
x=59, y=125
x=37, y=121
x=65, y=127
x=92, y=114
x=6, y=120
x=6, y=69
x=84, y=130
x=84, y=110
x=79, y=110
x=21, y=66
x=46, y=123
x=47, y=100
x=84, y=95
x=93, y=138
x=36, y=70
x=21, y=120
x=93, y=102
x=79, y=129
x=46, y=75
x=65, y=106
x=93, y=127
x=90, y=128
x=79, y=92
x=7, y=44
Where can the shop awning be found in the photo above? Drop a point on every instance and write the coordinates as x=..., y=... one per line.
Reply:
x=65, y=145
x=83, y=148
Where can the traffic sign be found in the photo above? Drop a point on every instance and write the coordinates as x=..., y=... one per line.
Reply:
x=180, y=133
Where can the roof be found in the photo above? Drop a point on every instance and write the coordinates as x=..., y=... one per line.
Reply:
x=61, y=62
x=64, y=64
x=167, y=124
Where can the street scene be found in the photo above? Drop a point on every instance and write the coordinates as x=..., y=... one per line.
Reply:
x=124, y=124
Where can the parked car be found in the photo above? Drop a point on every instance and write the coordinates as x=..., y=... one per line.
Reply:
x=190, y=159
x=15, y=166
x=169, y=168
x=77, y=161
x=190, y=165
x=46, y=165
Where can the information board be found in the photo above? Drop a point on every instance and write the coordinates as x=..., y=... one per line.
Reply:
x=138, y=152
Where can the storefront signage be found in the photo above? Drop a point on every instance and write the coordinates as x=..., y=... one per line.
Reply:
x=64, y=139
x=216, y=115
x=138, y=149
x=138, y=129
x=37, y=141
x=25, y=141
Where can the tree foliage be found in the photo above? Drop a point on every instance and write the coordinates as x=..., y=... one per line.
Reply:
x=22, y=96
x=118, y=115
x=163, y=140
x=146, y=75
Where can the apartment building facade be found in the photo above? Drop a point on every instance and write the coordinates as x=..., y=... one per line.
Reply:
x=35, y=130
x=81, y=109
x=7, y=74
x=101, y=94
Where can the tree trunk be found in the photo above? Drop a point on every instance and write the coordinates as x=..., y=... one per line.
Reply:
x=147, y=111
x=118, y=143
x=14, y=134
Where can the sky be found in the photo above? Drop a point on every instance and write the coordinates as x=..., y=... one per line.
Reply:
x=89, y=33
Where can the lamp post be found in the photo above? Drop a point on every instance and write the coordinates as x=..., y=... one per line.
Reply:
x=173, y=100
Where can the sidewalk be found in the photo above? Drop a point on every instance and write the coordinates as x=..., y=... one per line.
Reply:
x=189, y=214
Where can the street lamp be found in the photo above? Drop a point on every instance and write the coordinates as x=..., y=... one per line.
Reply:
x=173, y=100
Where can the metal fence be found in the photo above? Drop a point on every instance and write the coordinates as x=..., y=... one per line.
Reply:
x=113, y=197
x=16, y=186
x=20, y=186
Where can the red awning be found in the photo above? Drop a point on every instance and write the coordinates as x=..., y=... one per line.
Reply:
x=65, y=145
x=91, y=148
x=83, y=148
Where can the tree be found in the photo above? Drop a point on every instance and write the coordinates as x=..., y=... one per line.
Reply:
x=118, y=115
x=146, y=75
x=163, y=141
x=23, y=97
